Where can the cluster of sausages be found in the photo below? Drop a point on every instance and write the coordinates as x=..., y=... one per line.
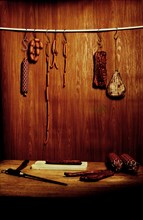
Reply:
x=35, y=46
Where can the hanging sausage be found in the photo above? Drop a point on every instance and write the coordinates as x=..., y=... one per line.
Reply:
x=24, y=75
x=100, y=71
x=47, y=52
x=24, y=69
x=54, y=53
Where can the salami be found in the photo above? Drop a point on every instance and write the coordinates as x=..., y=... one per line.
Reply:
x=100, y=71
x=96, y=177
x=24, y=76
x=114, y=162
x=130, y=164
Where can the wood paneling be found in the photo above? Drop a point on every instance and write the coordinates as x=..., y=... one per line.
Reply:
x=83, y=122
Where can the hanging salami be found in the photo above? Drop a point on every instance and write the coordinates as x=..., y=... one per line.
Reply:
x=100, y=73
x=24, y=76
x=24, y=68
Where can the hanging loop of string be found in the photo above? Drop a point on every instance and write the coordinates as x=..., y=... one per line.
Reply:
x=47, y=53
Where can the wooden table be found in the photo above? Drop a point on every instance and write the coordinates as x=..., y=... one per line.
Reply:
x=111, y=193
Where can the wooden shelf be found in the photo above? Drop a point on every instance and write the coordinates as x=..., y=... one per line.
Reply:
x=16, y=190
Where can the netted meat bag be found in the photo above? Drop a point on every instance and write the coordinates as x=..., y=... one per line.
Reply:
x=24, y=76
x=116, y=87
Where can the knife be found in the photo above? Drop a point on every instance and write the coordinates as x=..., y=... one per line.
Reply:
x=18, y=173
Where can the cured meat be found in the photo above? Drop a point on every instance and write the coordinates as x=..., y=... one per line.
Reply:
x=114, y=162
x=130, y=164
x=100, y=71
x=116, y=87
x=96, y=177
x=82, y=173
x=24, y=76
x=72, y=162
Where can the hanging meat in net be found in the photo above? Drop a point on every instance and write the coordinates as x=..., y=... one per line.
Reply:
x=24, y=76
x=116, y=87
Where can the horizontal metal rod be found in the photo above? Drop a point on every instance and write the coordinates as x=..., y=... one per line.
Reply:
x=70, y=30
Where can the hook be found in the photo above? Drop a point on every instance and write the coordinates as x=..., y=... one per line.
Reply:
x=25, y=42
x=25, y=35
x=116, y=34
x=47, y=36
x=34, y=33
x=99, y=42
x=65, y=37
x=55, y=35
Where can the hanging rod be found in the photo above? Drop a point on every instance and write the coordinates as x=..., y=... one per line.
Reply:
x=70, y=30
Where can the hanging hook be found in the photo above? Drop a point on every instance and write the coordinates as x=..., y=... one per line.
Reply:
x=34, y=33
x=47, y=36
x=65, y=39
x=116, y=34
x=25, y=42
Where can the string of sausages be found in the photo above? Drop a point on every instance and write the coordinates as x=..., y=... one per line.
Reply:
x=65, y=57
x=47, y=52
x=32, y=51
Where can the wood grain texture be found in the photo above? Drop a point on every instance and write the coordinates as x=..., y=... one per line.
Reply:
x=83, y=122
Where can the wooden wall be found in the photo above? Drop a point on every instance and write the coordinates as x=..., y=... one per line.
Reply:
x=83, y=122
